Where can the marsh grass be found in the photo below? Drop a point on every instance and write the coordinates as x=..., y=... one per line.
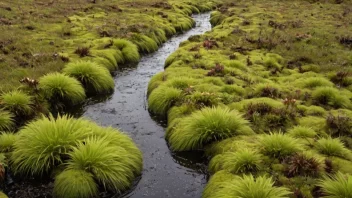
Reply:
x=223, y=184
x=75, y=184
x=6, y=120
x=7, y=141
x=162, y=99
x=333, y=147
x=45, y=143
x=278, y=145
x=301, y=132
x=94, y=77
x=337, y=186
x=207, y=126
x=18, y=103
x=331, y=97
x=58, y=87
x=238, y=162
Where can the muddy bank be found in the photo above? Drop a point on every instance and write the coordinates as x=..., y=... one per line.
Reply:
x=165, y=174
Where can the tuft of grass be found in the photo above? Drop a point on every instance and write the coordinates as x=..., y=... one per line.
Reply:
x=162, y=99
x=206, y=126
x=2, y=195
x=7, y=141
x=302, y=132
x=330, y=96
x=216, y=18
x=75, y=184
x=45, y=143
x=242, y=161
x=91, y=75
x=145, y=44
x=58, y=87
x=337, y=186
x=110, y=165
x=278, y=145
x=313, y=82
x=224, y=185
x=6, y=120
x=128, y=49
x=333, y=147
x=17, y=102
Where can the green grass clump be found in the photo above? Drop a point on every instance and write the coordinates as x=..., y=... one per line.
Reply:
x=128, y=49
x=337, y=186
x=145, y=44
x=6, y=120
x=162, y=99
x=7, y=141
x=91, y=75
x=314, y=82
x=17, y=102
x=330, y=96
x=58, y=87
x=225, y=185
x=333, y=147
x=242, y=161
x=302, y=132
x=206, y=126
x=111, y=165
x=43, y=144
x=75, y=184
x=109, y=58
x=279, y=145
x=216, y=18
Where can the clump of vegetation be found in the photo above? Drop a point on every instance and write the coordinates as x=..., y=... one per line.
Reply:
x=7, y=141
x=6, y=120
x=278, y=145
x=242, y=161
x=75, y=183
x=91, y=156
x=330, y=96
x=17, y=102
x=333, y=147
x=162, y=99
x=302, y=132
x=82, y=51
x=339, y=185
x=93, y=76
x=302, y=165
x=58, y=87
x=339, y=125
x=223, y=184
x=206, y=126
x=129, y=50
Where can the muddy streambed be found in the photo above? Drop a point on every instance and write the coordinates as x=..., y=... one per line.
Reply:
x=165, y=174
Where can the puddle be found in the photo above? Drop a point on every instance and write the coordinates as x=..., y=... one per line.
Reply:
x=165, y=174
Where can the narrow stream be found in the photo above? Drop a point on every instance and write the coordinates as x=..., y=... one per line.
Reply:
x=165, y=174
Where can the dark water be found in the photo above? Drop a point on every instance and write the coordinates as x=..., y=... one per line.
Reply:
x=165, y=174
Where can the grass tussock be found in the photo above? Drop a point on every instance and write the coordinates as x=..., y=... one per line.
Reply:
x=58, y=87
x=75, y=184
x=17, y=102
x=337, y=186
x=6, y=120
x=207, y=126
x=7, y=141
x=302, y=132
x=278, y=145
x=45, y=143
x=333, y=147
x=242, y=161
x=331, y=97
x=94, y=77
x=223, y=185
x=162, y=99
